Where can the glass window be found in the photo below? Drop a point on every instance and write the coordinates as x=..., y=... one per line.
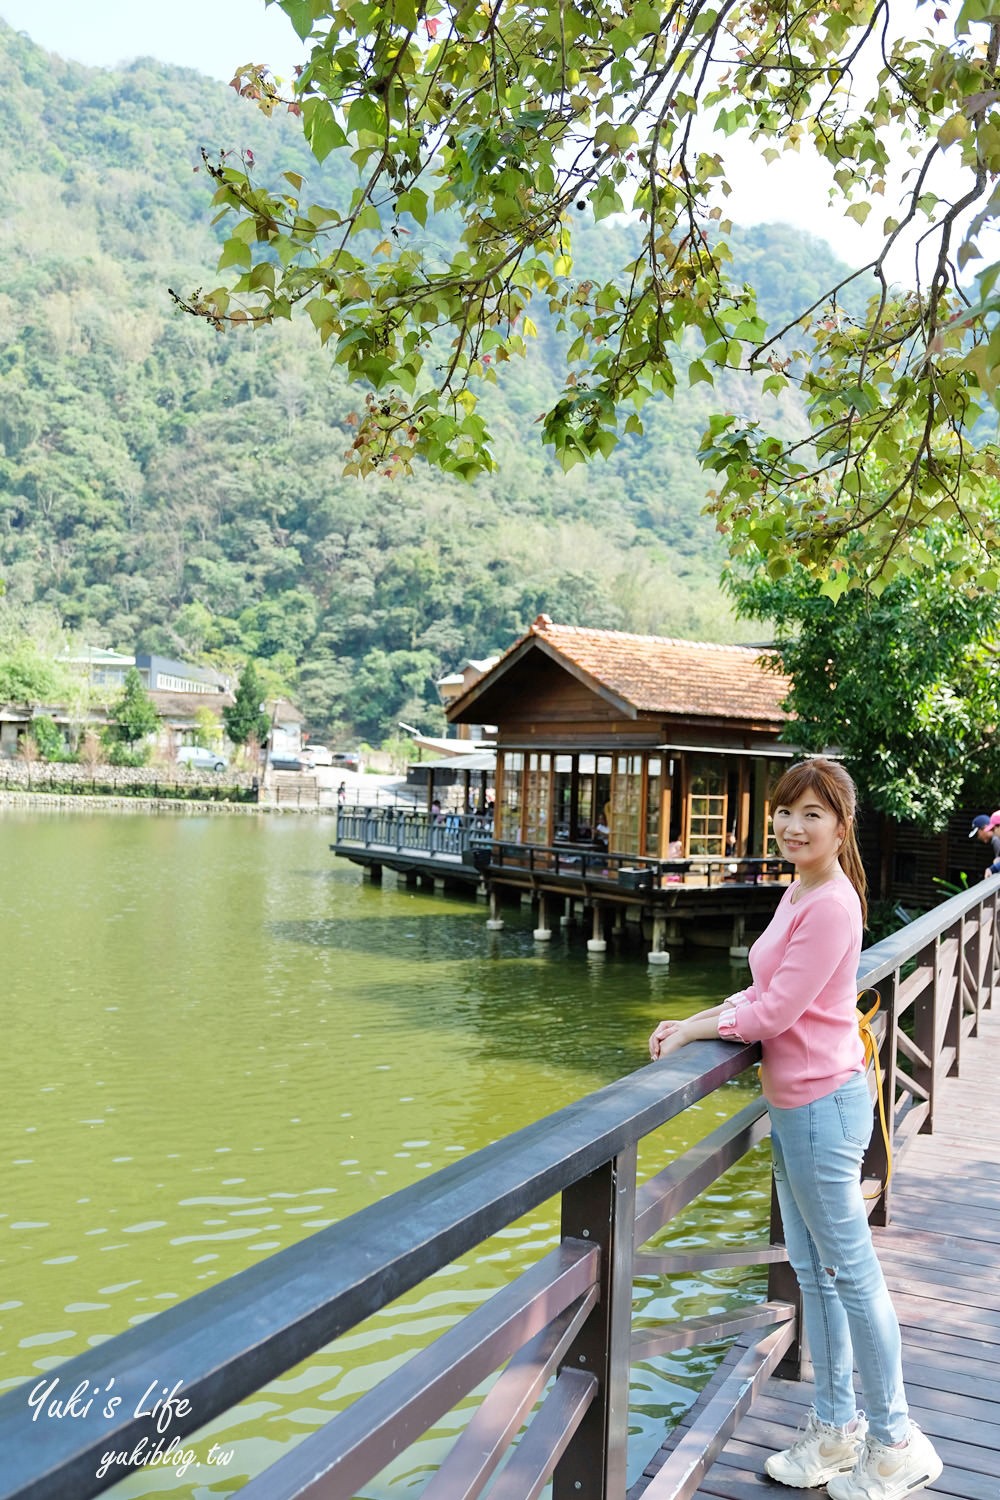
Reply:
x=508, y=811
x=707, y=794
x=536, y=797
x=654, y=804
x=627, y=804
x=593, y=806
x=562, y=798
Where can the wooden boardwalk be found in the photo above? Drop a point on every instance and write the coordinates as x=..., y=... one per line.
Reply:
x=941, y=1257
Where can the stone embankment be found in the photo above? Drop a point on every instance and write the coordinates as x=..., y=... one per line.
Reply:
x=179, y=789
x=129, y=788
x=80, y=802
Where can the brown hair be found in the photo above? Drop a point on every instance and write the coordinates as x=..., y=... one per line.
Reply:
x=831, y=783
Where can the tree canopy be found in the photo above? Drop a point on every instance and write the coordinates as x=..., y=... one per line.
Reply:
x=164, y=489
x=483, y=133
x=245, y=718
x=134, y=716
x=904, y=685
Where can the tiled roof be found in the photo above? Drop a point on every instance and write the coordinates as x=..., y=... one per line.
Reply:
x=172, y=705
x=660, y=675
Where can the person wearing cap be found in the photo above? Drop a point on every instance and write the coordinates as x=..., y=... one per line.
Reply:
x=987, y=830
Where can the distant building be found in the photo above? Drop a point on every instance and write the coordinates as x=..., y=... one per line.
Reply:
x=101, y=667
x=285, y=737
x=182, y=716
x=159, y=674
x=673, y=743
x=452, y=687
x=180, y=692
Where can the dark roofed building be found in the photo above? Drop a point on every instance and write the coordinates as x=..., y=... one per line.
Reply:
x=670, y=743
x=634, y=771
x=657, y=674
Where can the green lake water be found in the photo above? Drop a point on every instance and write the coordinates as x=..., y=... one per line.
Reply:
x=218, y=1039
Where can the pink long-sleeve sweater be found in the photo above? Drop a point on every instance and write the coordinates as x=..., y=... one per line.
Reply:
x=802, y=1003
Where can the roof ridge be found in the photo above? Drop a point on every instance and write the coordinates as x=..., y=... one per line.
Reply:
x=634, y=635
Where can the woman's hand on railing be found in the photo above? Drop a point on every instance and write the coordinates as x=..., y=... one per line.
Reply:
x=671, y=1036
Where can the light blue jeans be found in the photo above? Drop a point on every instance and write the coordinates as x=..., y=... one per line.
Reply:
x=817, y=1150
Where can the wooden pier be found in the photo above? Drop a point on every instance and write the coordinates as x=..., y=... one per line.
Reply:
x=941, y=1257
x=711, y=899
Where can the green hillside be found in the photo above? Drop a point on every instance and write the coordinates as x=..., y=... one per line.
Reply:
x=176, y=490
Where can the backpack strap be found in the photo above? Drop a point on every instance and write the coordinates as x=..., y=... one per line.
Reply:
x=871, y=1056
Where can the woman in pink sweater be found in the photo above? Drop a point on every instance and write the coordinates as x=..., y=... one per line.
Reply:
x=801, y=1007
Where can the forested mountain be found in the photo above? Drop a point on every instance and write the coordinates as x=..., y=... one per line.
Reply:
x=167, y=488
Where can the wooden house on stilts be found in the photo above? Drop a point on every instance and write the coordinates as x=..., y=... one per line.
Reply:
x=632, y=779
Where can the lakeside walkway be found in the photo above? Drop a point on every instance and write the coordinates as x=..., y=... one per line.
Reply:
x=941, y=1257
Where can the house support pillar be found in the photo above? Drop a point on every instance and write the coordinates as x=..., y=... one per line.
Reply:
x=596, y=943
x=658, y=953
x=739, y=948
x=543, y=931
x=566, y=920
x=494, y=922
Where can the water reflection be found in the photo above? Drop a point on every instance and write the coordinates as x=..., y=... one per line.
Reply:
x=221, y=1040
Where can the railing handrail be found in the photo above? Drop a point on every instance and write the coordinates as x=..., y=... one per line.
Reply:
x=225, y=1343
x=654, y=862
x=894, y=951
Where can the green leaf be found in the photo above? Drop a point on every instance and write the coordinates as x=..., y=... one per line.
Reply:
x=414, y=203
x=300, y=13
x=235, y=252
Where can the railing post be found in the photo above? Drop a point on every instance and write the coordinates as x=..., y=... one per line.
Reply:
x=925, y=1032
x=783, y=1286
x=601, y=1208
x=974, y=931
x=993, y=947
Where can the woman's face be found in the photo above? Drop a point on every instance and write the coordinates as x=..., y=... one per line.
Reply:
x=808, y=833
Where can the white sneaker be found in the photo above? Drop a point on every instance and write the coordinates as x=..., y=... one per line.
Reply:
x=821, y=1452
x=884, y=1473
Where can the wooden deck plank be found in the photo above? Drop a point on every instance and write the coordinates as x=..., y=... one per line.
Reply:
x=941, y=1257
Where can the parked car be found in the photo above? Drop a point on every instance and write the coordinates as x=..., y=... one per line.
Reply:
x=287, y=763
x=316, y=755
x=200, y=759
x=348, y=760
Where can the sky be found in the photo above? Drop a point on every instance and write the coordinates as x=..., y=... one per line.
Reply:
x=217, y=36
x=214, y=36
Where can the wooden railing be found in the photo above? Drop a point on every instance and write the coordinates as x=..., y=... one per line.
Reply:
x=406, y=831
x=469, y=836
x=562, y=1330
x=634, y=871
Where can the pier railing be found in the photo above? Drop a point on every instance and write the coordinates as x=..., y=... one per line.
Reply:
x=469, y=836
x=639, y=872
x=407, y=831
x=560, y=1334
